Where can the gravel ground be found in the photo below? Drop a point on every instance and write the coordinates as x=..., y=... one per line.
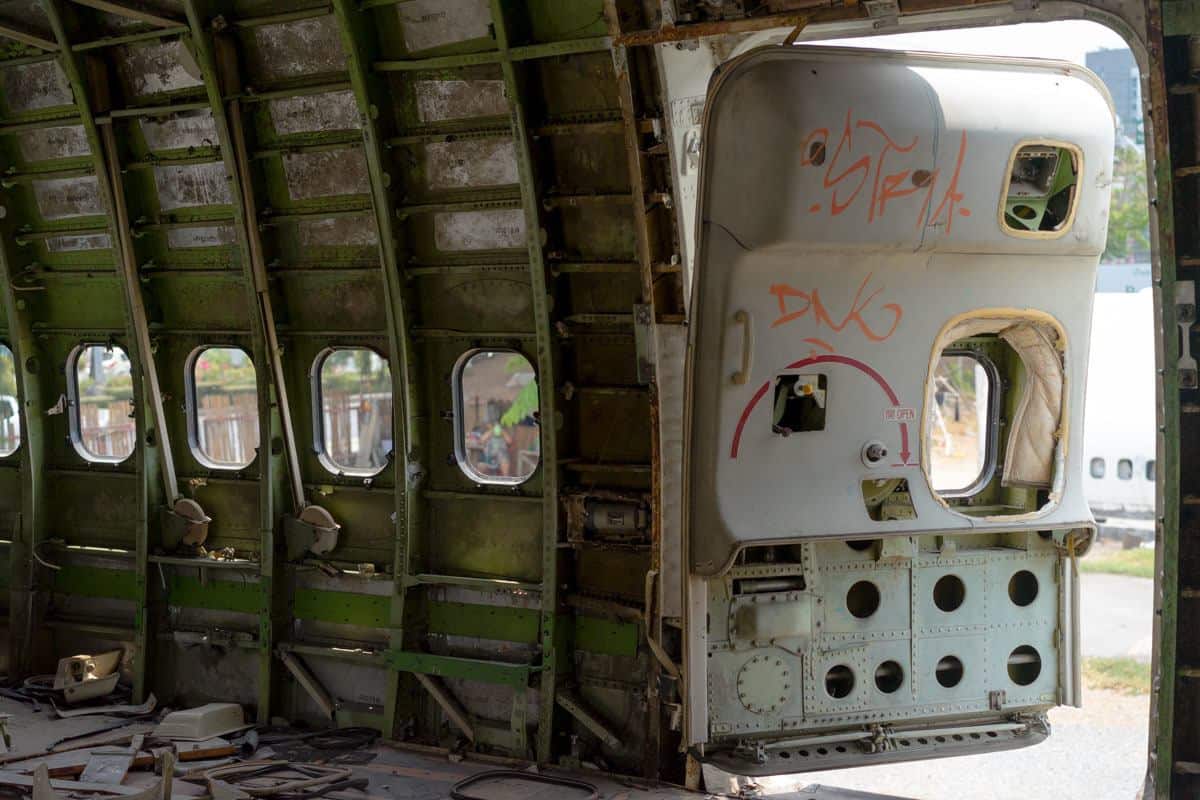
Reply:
x=1097, y=752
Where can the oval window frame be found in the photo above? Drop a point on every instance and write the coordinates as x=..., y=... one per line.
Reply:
x=192, y=409
x=318, y=416
x=460, y=433
x=73, y=406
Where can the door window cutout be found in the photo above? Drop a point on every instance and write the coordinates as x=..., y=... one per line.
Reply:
x=1041, y=194
x=799, y=404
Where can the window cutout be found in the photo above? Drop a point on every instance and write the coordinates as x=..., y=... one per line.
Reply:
x=1151, y=471
x=1125, y=469
x=1096, y=468
x=101, y=384
x=10, y=409
x=1041, y=190
x=223, y=407
x=354, y=410
x=496, y=407
x=799, y=404
x=960, y=425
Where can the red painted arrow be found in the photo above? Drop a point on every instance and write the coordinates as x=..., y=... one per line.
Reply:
x=827, y=359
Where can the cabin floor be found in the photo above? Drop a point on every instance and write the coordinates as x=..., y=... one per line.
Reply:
x=393, y=771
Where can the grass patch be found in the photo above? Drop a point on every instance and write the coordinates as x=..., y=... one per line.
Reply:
x=1124, y=675
x=1138, y=563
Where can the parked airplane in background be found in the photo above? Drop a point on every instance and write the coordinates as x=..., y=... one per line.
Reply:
x=1119, y=446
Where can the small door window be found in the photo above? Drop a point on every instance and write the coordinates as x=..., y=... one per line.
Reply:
x=353, y=390
x=496, y=407
x=1041, y=195
x=1096, y=468
x=1125, y=469
x=10, y=409
x=223, y=407
x=960, y=425
x=100, y=380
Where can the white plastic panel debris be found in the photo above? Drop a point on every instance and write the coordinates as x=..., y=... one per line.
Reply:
x=840, y=233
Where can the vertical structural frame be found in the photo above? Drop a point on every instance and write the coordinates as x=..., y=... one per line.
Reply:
x=546, y=399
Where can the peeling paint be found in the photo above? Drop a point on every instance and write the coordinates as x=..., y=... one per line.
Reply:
x=191, y=129
x=470, y=163
x=192, y=185
x=157, y=68
x=36, y=86
x=62, y=198
x=216, y=236
x=326, y=174
x=443, y=100
x=293, y=49
x=67, y=141
x=480, y=230
x=433, y=23
x=330, y=111
x=358, y=231
x=70, y=244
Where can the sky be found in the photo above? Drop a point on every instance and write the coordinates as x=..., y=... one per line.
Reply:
x=1068, y=40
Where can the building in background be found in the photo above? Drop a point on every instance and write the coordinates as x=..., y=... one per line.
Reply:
x=1119, y=72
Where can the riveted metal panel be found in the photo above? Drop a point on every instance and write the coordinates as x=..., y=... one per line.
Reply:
x=32, y=87
x=328, y=111
x=66, y=141
x=180, y=131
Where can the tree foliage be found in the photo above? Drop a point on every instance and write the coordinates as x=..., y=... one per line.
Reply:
x=1129, y=216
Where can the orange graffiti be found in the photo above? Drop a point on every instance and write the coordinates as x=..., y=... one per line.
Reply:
x=846, y=177
x=815, y=342
x=811, y=302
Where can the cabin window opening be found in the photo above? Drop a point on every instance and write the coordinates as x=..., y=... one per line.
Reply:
x=497, y=437
x=1042, y=192
x=10, y=408
x=1151, y=470
x=222, y=407
x=1125, y=469
x=100, y=385
x=1096, y=468
x=352, y=395
x=961, y=424
x=1011, y=431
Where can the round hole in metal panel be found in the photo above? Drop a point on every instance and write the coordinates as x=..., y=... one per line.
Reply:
x=821, y=751
x=1023, y=587
x=816, y=153
x=1024, y=665
x=889, y=676
x=949, y=671
x=784, y=754
x=839, y=681
x=949, y=592
x=861, y=545
x=863, y=599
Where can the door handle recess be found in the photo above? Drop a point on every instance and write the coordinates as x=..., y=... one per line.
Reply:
x=742, y=375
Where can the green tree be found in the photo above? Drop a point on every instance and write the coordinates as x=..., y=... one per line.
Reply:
x=1129, y=215
x=8, y=375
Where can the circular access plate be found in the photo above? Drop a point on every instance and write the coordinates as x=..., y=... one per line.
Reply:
x=764, y=683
